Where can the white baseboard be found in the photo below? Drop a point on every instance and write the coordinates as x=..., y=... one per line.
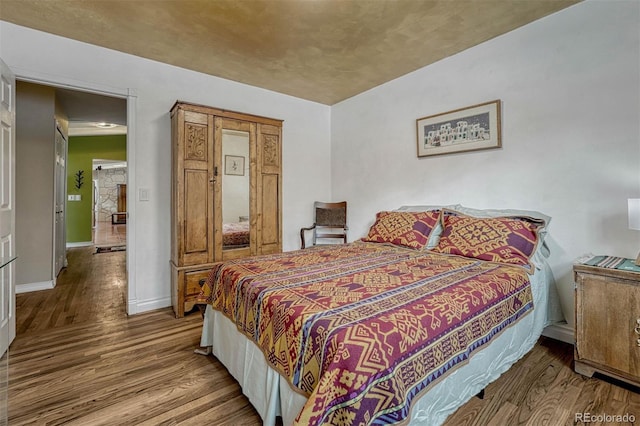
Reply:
x=148, y=305
x=132, y=307
x=80, y=244
x=28, y=287
x=563, y=332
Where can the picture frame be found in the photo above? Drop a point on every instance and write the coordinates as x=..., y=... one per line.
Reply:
x=470, y=128
x=234, y=165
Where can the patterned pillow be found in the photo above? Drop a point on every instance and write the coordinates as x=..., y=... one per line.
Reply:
x=408, y=229
x=499, y=239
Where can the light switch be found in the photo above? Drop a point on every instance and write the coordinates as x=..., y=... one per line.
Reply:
x=70, y=197
x=143, y=194
x=78, y=197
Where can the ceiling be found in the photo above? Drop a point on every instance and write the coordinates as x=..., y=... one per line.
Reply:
x=320, y=50
x=87, y=112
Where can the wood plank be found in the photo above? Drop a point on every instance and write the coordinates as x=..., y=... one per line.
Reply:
x=504, y=415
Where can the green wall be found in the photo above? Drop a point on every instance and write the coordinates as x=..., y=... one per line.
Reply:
x=81, y=152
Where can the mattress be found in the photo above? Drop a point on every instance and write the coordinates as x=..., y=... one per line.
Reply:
x=272, y=395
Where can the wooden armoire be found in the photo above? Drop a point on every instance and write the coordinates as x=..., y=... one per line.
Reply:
x=226, y=193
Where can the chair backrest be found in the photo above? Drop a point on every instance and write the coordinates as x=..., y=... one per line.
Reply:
x=330, y=220
x=331, y=214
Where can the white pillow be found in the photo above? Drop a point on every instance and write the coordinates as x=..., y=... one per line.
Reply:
x=428, y=208
x=502, y=213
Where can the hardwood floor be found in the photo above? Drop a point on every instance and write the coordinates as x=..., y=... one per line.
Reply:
x=108, y=234
x=91, y=289
x=79, y=360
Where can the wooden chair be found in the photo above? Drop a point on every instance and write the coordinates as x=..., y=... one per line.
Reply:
x=330, y=222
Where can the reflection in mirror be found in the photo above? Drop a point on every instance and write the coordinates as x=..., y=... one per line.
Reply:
x=235, y=189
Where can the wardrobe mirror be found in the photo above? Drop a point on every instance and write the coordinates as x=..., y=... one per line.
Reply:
x=235, y=189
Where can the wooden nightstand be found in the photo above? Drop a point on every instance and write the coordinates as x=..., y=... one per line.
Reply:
x=607, y=323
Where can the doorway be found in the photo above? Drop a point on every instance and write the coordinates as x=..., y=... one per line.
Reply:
x=109, y=213
x=86, y=120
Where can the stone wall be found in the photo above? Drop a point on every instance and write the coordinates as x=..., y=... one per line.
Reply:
x=108, y=180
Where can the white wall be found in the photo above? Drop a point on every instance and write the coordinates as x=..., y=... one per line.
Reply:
x=570, y=88
x=306, y=129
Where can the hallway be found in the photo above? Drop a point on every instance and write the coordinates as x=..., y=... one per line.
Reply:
x=92, y=288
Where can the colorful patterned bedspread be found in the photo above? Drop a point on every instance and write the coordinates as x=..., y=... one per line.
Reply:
x=363, y=328
x=235, y=234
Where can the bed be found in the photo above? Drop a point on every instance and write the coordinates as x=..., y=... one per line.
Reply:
x=405, y=325
x=235, y=234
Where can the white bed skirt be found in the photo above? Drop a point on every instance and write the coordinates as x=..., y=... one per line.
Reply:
x=272, y=396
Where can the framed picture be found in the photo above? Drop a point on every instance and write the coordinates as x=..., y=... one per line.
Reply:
x=234, y=165
x=465, y=129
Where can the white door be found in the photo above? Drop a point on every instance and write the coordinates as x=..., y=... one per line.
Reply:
x=7, y=206
x=60, y=194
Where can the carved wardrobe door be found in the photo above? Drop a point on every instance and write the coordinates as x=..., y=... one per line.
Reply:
x=193, y=195
x=192, y=244
x=226, y=190
x=269, y=189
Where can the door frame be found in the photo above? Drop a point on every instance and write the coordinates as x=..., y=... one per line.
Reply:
x=130, y=94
